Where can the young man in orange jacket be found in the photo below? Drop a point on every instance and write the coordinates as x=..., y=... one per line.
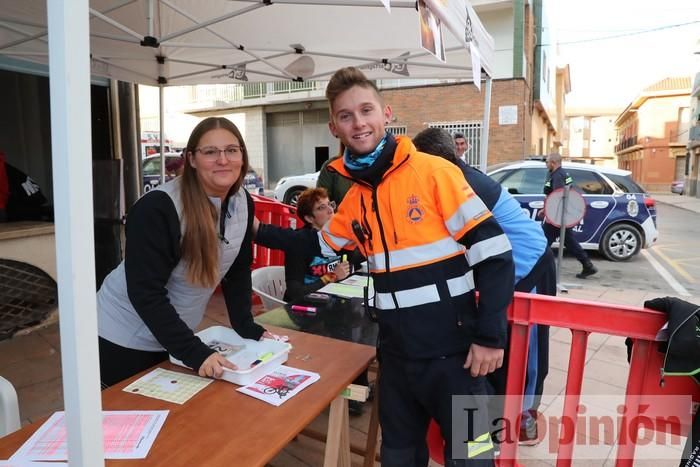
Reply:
x=412, y=215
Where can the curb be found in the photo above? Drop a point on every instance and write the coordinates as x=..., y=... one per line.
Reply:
x=679, y=206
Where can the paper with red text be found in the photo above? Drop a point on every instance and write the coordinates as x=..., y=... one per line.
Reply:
x=128, y=434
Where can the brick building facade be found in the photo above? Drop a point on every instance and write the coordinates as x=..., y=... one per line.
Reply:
x=417, y=108
x=651, y=144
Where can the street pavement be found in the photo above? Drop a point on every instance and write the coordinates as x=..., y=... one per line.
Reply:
x=689, y=203
x=32, y=363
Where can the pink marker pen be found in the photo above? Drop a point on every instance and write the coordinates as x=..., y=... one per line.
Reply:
x=306, y=309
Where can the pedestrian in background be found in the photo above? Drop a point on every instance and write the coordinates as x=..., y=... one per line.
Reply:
x=462, y=146
x=559, y=178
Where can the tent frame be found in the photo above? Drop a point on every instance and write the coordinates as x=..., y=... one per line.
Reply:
x=69, y=59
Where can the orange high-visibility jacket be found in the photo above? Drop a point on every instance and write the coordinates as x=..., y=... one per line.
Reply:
x=417, y=222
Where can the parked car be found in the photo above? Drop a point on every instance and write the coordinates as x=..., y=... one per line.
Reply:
x=288, y=188
x=173, y=162
x=151, y=169
x=677, y=186
x=620, y=216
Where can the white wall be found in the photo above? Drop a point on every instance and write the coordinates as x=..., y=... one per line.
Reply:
x=178, y=125
x=499, y=23
x=603, y=136
x=576, y=127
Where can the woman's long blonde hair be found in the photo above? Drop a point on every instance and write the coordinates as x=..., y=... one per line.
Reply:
x=200, y=243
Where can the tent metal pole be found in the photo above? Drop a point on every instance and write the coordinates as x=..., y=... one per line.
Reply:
x=151, y=17
x=161, y=122
x=209, y=22
x=484, y=147
x=69, y=68
x=222, y=37
x=114, y=23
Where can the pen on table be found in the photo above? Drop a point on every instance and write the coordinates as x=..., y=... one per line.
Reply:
x=263, y=358
x=307, y=309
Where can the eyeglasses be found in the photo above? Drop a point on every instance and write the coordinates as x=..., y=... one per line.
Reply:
x=212, y=153
x=327, y=207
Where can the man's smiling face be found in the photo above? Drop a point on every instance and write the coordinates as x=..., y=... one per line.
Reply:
x=358, y=118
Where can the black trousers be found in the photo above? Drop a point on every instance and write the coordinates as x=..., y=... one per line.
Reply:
x=118, y=363
x=414, y=391
x=570, y=243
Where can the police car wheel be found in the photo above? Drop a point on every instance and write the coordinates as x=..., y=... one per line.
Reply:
x=621, y=242
x=292, y=195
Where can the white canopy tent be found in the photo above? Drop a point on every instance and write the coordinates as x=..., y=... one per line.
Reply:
x=177, y=42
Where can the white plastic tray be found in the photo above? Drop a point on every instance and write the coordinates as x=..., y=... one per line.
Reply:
x=243, y=358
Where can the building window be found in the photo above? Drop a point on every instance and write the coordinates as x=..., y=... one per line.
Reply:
x=396, y=130
x=472, y=133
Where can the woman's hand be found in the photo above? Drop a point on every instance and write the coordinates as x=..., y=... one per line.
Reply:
x=214, y=365
x=342, y=270
x=274, y=337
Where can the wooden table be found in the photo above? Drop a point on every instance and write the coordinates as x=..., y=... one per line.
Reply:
x=340, y=319
x=222, y=427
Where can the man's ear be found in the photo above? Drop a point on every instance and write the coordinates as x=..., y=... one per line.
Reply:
x=388, y=114
x=309, y=219
x=331, y=127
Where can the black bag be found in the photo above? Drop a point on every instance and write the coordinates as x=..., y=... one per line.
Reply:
x=682, y=358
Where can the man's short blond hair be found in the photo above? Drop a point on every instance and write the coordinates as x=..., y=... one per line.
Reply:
x=346, y=78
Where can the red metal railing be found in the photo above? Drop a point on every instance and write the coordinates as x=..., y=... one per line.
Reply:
x=583, y=318
x=269, y=211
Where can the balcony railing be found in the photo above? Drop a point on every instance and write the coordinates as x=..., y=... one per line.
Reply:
x=230, y=94
x=216, y=95
x=626, y=143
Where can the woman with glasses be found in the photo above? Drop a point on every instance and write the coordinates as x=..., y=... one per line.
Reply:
x=304, y=274
x=183, y=239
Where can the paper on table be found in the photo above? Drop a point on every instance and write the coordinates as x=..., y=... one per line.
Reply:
x=351, y=287
x=280, y=385
x=128, y=434
x=168, y=385
x=342, y=290
x=358, y=280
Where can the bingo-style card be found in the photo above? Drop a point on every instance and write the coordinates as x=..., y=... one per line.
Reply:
x=168, y=385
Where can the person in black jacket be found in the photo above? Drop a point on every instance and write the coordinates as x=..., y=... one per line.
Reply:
x=304, y=273
x=335, y=184
x=183, y=239
x=558, y=178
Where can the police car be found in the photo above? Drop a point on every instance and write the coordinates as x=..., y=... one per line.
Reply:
x=620, y=216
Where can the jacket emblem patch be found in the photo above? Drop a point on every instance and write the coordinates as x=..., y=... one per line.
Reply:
x=415, y=211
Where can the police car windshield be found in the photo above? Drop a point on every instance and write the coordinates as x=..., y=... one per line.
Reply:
x=151, y=166
x=625, y=183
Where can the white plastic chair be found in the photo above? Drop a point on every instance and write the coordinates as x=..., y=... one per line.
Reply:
x=269, y=284
x=9, y=408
